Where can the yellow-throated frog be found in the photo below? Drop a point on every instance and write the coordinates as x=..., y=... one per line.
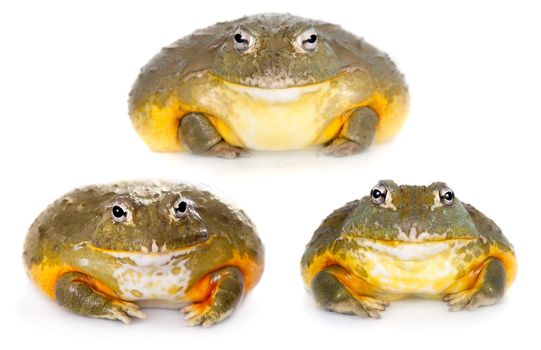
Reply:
x=105, y=251
x=407, y=240
x=268, y=82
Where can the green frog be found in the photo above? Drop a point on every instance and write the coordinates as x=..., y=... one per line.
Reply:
x=405, y=240
x=105, y=251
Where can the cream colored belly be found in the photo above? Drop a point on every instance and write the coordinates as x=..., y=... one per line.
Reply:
x=152, y=279
x=278, y=119
x=412, y=268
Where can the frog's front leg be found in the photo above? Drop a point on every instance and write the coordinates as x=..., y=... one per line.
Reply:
x=356, y=135
x=487, y=290
x=333, y=295
x=227, y=289
x=198, y=134
x=75, y=292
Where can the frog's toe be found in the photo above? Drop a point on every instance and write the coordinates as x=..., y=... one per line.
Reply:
x=123, y=310
x=341, y=147
x=224, y=150
x=372, y=303
x=458, y=301
x=362, y=307
x=468, y=300
x=200, y=315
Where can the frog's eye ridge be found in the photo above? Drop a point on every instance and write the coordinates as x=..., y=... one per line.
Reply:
x=378, y=194
x=243, y=40
x=180, y=208
x=119, y=213
x=447, y=196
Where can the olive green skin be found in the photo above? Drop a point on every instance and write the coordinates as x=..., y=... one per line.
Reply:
x=364, y=219
x=69, y=230
x=277, y=64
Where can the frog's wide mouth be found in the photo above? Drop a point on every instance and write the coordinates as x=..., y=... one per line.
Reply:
x=273, y=83
x=154, y=250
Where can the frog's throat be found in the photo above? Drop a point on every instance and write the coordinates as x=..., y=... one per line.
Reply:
x=409, y=251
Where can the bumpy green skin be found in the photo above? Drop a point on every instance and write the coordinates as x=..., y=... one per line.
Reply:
x=414, y=209
x=184, y=70
x=278, y=65
x=69, y=231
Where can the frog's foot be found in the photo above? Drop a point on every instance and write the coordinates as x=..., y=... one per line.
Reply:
x=341, y=147
x=122, y=311
x=75, y=291
x=227, y=291
x=224, y=150
x=356, y=135
x=488, y=289
x=331, y=294
x=198, y=134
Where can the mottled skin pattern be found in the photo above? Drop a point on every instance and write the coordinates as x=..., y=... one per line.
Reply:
x=275, y=95
x=204, y=260
x=410, y=240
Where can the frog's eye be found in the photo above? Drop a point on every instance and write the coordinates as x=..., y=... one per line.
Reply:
x=447, y=196
x=308, y=40
x=378, y=194
x=119, y=212
x=180, y=208
x=242, y=40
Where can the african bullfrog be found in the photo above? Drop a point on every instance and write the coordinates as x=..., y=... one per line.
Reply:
x=268, y=82
x=105, y=251
x=407, y=240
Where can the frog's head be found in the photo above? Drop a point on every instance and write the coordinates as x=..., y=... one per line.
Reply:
x=411, y=214
x=275, y=51
x=147, y=221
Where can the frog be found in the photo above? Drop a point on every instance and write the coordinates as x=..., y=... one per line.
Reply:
x=407, y=241
x=268, y=82
x=107, y=251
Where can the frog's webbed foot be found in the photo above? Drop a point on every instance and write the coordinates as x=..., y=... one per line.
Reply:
x=198, y=134
x=228, y=289
x=356, y=135
x=332, y=295
x=488, y=289
x=75, y=292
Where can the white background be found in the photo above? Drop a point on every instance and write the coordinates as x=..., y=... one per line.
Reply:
x=473, y=71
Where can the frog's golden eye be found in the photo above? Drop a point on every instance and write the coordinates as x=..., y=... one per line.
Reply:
x=242, y=40
x=447, y=196
x=308, y=40
x=120, y=213
x=378, y=194
x=180, y=208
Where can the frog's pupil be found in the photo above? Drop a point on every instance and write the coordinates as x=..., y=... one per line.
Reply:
x=448, y=195
x=376, y=194
x=312, y=39
x=239, y=38
x=182, y=206
x=118, y=212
